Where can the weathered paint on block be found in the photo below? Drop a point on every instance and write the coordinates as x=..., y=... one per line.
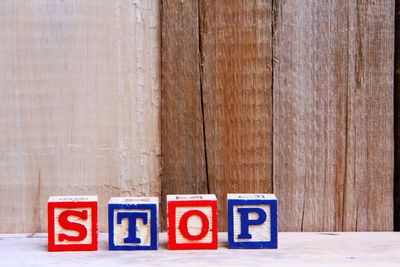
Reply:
x=252, y=221
x=133, y=223
x=72, y=223
x=192, y=222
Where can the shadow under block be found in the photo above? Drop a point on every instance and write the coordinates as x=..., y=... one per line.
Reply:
x=192, y=222
x=133, y=223
x=72, y=223
x=252, y=221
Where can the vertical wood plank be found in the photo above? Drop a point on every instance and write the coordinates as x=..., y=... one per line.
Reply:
x=332, y=115
x=369, y=173
x=79, y=105
x=397, y=121
x=184, y=165
x=236, y=51
x=310, y=114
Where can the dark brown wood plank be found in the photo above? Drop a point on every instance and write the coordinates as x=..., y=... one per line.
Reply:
x=182, y=139
x=236, y=48
x=333, y=115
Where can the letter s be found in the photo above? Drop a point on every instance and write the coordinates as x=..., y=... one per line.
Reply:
x=65, y=223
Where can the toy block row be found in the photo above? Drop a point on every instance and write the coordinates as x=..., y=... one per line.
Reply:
x=133, y=222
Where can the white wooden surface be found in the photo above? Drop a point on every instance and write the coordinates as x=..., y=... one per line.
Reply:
x=295, y=249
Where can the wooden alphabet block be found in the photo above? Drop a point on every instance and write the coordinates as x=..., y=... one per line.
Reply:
x=192, y=222
x=72, y=223
x=252, y=221
x=133, y=223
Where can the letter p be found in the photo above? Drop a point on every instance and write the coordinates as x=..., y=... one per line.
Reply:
x=245, y=220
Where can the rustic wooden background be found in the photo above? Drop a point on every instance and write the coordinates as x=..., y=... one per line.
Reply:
x=119, y=98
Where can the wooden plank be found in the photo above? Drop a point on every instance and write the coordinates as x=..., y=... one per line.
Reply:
x=369, y=174
x=309, y=114
x=184, y=165
x=332, y=115
x=79, y=105
x=396, y=187
x=236, y=80
x=295, y=249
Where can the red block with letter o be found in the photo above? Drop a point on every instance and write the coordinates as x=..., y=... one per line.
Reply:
x=192, y=222
x=72, y=223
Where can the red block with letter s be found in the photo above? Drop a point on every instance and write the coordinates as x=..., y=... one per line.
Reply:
x=72, y=223
x=192, y=222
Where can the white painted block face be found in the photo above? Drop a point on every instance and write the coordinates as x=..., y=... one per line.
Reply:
x=73, y=199
x=191, y=197
x=133, y=200
x=58, y=229
x=252, y=196
x=194, y=225
x=143, y=231
x=261, y=232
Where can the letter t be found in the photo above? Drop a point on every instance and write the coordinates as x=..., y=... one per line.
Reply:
x=132, y=216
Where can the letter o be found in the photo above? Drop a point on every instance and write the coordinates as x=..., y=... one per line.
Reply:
x=183, y=225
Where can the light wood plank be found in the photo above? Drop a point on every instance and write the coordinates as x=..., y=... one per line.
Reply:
x=369, y=174
x=333, y=115
x=236, y=80
x=79, y=105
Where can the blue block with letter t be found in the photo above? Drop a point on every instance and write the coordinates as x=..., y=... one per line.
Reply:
x=133, y=223
x=252, y=221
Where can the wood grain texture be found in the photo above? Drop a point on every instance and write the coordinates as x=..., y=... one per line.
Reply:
x=290, y=96
x=332, y=98
x=184, y=165
x=396, y=187
x=236, y=49
x=79, y=105
x=369, y=173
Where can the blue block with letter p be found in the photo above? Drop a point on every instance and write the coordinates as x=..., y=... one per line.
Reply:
x=252, y=221
x=133, y=223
